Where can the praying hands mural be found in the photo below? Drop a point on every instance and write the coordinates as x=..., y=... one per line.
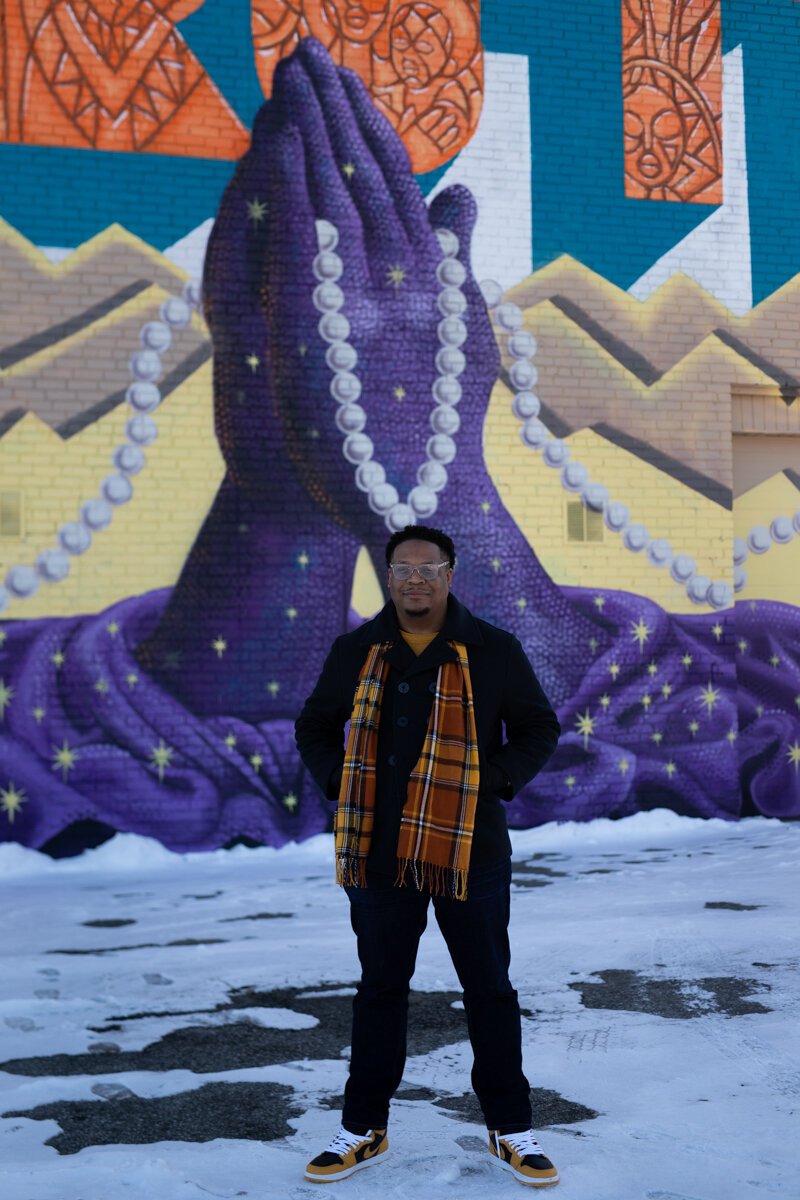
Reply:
x=355, y=356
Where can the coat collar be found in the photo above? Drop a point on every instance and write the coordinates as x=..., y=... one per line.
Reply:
x=459, y=626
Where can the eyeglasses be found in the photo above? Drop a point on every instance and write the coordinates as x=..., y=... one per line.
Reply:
x=427, y=571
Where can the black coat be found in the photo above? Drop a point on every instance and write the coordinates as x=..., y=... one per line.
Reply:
x=505, y=690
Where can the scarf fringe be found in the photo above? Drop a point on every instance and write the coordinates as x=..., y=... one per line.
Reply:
x=431, y=877
x=351, y=871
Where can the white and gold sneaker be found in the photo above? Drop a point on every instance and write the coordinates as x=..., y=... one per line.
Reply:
x=348, y=1152
x=522, y=1155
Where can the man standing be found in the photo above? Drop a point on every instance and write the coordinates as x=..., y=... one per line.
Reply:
x=427, y=688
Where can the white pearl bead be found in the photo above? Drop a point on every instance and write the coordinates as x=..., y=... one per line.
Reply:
x=142, y=430
x=758, y=539
x=22, y=581
x=451, y=273
x=533, y=433
x=452, y=331
x=176, y=312
x=781, y=530
x=555, y=453
x=523, y=375
x=509, y=317
x=399, y=516
x=74, y=537
x=526, y=404
x=740, y=551
x=327, y=265
x=433, y=475
x=451, y=302
x=595, y=497
x=4, y=598
x=334, y=327
x=574, y=476
x=341, y=356
x=146, y=365
x=350, y=418
x=144, y=397
x=636, y=537
x=328, y=297
x=448, y=242
x=383, y=497
x=423, y=500
x=683, y=568
x=193, y=293
x=617, y=516
x=327, y=235
x=440, y=448
x=53, y=565
x=720, y=594
x=117, y=489
x=445, y=419
x=358, y=448
x=492, y=292
x=128, y=458
x=521, y=344
x=447, y=390
x=155, y=335
x=345, y=388
x=369, y=475
x=450, y=361
x=96, y=514
x=697, y=589
x=739, y=578
x=659, y=552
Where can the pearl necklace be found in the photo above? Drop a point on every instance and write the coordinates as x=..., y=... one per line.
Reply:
x=351, y=419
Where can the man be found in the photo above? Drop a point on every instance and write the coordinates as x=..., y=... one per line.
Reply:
x=427, y=688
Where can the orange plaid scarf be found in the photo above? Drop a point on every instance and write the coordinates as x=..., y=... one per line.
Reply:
x=439, y=813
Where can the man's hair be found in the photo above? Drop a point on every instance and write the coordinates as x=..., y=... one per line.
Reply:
x=422, y=533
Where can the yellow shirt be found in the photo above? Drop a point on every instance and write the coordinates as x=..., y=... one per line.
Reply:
x=418, y=641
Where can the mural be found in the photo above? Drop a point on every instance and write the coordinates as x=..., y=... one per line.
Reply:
x=344, y=373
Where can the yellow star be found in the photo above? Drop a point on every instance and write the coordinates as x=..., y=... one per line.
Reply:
x=256, y=210
x=797, y=700
x=666, y=691
x=793, y=755
x=670, y=768
x=58, y=659
x=101, y=687
x=486, y=507
x=256, y=761
x=657, y=737
x=599, y=602
x=290, y=801
x=647, y=700
x=731, y=737
x=752, y=605
x=570, y=781
x=64, y=758
x=303, y=560
x=219, y=645
x=585, y=726
x=709, y=696
x=496, y=565
x=614, y=670
x=302, y=349
x=687, y=660
x=717, y=630
x=230, y=740
x=313, y=434
x=3, y=636
x=652, y=668
x=6, y=696
x=624, y=766
x=759, y=710
x=253, y=362
x=399, y=392
x=742, y=645
x=640, y=632
x=131, y=679
x=522, y=604
x=113, y=628
x=273, y=687
x=161, y=757
x=774, y=661
x=593, y=644
x=605, y=701
x=291, y=613
x=693, y=727
x=38, y=714
x=396, y=276
x=11, y=801
x=348, y=170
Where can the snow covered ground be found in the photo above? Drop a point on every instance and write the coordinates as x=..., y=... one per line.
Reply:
x=177, y=1027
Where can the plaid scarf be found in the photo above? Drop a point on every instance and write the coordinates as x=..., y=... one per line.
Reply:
x=439, y=813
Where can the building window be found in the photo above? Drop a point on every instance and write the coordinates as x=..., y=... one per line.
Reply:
x=583, y=524
x=10, y=514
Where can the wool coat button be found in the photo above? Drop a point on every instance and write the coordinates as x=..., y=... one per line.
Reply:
x=402, y=722
x=403, y=687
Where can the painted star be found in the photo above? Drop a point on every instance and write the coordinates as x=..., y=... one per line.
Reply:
x=599, y=602
x=605, y=701
x=38, y=714
x=522, y=604
x=570, y=781
x=759, y=710
x=399, y=392
x=171, y=660
x=640, y=632
x=113, y=628
x=793, y=754
x=161, y=757
x=6, y=696
x=687, y=660
x=3, y=636
x=709, y=696
x=396, y=276
x=230, y=740
x=64, y=758
x=647, y=700
x=742, y=645
x=731, y=736
x=624, y=766
x=12, y=800
x=313, y=434
x=219, y=646
x=694, y=726
x=652, y=668
x=614, y=670
x=291, y=613
x=58, y=658
x=670, y=768
x=593, y=644
x=753, y=605
x=666, y=691
x=774, y=661
x=243, y=528
x=101, y=687
x=256, y=210
x=797, y=700
x=303, y=560
x=131, y=679
x=717, y=630
x=585, y=726
x=657, y=737
x=253, y=362
x=256, y=761
x=486, y=507
x=302, y=349
x=290, y=801
x=496, y=565
x=348, y=170
x=273, y=687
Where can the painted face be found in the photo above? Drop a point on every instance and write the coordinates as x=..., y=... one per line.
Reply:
x=419, y=600
x=418, y=44
x=357, y=20
x=654, y=137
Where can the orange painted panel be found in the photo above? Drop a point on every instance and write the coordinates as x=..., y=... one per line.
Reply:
x=422, y=61
x=110, y=75
x=672, y=98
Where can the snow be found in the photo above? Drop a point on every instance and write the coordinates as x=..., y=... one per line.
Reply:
x=690, y=1107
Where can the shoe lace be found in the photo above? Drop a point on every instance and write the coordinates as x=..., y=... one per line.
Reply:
x=344, y=1141
x=523, y=1143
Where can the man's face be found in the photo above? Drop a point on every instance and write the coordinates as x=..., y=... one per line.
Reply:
x=420, y=601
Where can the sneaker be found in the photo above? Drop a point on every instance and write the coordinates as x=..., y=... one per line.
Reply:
x=522, y=1155
x=348, y=1152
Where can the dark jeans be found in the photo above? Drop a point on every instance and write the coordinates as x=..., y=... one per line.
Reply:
x=388, y=922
